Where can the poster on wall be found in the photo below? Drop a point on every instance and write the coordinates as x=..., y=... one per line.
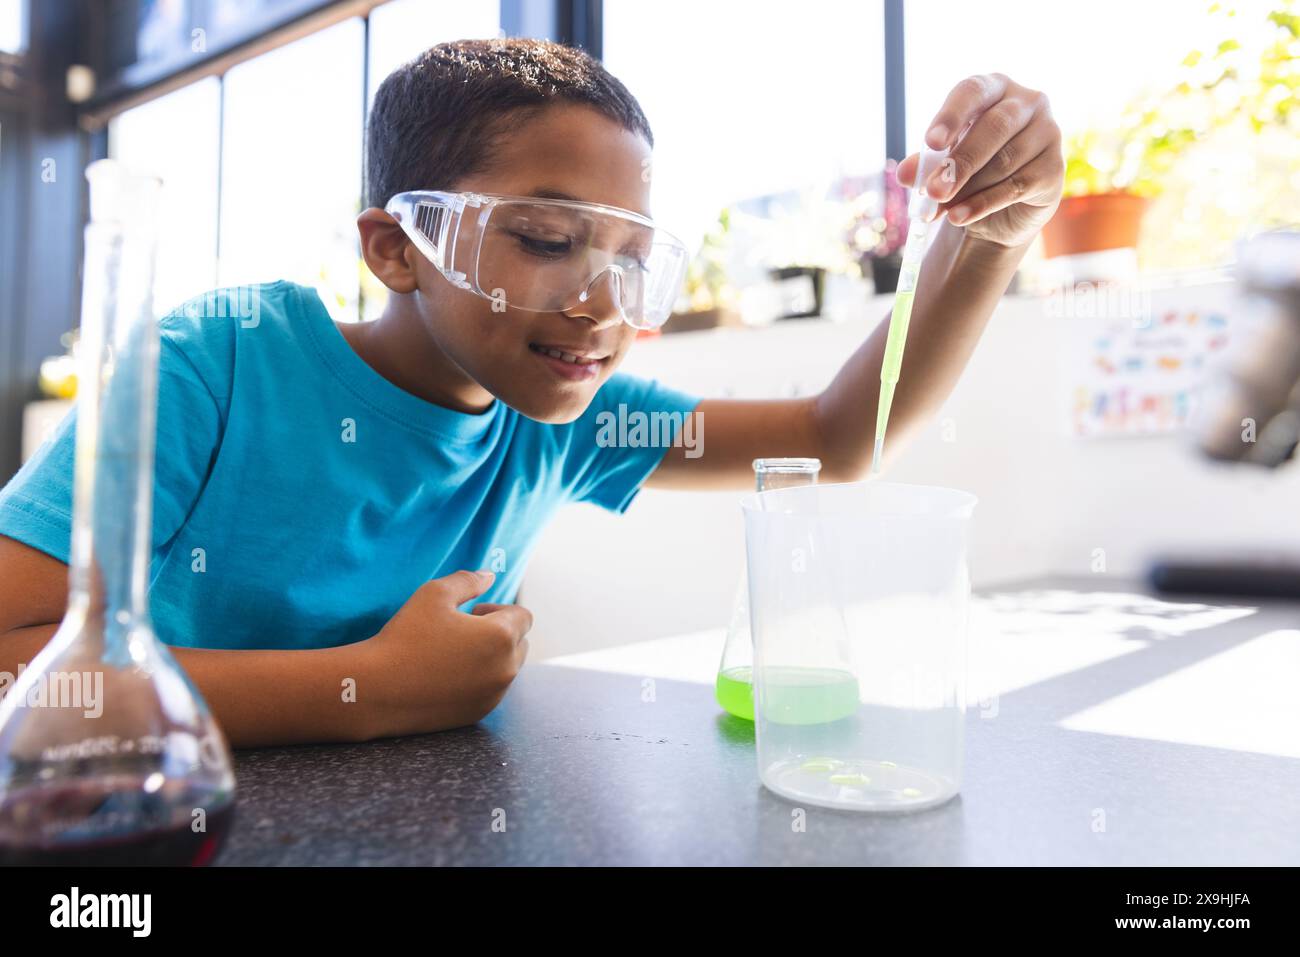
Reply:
x=1135, y=360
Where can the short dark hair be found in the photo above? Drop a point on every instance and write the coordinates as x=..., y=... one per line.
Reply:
x=436, y=118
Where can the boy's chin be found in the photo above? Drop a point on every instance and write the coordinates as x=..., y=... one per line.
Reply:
x=551, y=409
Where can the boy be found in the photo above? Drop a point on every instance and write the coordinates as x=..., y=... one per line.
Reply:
x=341, y=480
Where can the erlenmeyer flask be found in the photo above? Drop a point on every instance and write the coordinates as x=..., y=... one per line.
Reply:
x=108, y=754
x=734, y=686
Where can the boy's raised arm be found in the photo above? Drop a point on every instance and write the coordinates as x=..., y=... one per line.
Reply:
x=1002, y=183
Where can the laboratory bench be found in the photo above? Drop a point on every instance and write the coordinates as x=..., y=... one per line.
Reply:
x=1105, y=726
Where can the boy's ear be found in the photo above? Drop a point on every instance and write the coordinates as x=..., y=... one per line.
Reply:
x=386, y=250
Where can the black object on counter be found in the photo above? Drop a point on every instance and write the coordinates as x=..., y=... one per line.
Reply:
x=1245, y=579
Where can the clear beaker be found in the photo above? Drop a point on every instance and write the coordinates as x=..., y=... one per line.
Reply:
x=734, y=685
x=858, y=597
x=108, y=754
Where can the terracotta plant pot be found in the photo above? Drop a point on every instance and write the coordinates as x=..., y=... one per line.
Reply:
x=1087, y=224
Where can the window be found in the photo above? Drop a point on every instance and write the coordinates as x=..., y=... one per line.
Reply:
x=750, y=99
x=405, y=28
x=13, y=26
x=1089, y=66
x=176, y=137
x=262, y=168
x=291, y=167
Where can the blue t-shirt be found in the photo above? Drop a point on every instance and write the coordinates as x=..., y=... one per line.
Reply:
x=300, y=498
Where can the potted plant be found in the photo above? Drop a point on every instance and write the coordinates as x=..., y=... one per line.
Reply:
x=800, y=241
x=1109, y=180
x=1112, y=175
x=708, y=298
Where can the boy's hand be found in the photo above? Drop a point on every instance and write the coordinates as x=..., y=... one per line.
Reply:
x=433, y=667
x=1004, y=179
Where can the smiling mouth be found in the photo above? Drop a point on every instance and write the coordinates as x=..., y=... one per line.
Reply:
x=578, y=358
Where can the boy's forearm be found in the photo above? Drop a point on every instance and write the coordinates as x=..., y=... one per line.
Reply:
x=258, y=697
x=270, y=697
x=961, y=281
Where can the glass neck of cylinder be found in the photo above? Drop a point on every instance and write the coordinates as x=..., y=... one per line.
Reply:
x=785, y=473
x=116, y=415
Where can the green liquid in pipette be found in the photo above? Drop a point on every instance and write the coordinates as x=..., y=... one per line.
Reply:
x=891, y=366
x=898, y=320
x=794, y=695
x=920, y=210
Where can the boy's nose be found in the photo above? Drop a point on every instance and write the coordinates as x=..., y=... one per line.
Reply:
x=602, y=299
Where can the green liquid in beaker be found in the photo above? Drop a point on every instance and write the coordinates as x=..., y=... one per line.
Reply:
x=734, y=691
x=809, y=695
x=794, y=695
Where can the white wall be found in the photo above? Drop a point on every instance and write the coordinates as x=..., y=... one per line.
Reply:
x=671, y=564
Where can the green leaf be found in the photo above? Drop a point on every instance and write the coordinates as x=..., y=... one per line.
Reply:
x=1287, y=21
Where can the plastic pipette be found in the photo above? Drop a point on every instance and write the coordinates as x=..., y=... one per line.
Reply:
x=919, y=209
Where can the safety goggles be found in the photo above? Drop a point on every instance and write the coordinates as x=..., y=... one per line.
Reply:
x=546, y=255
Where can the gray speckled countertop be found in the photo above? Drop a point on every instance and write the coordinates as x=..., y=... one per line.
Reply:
x=581, y=770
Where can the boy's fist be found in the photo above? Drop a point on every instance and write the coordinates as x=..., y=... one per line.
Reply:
x=433, y=667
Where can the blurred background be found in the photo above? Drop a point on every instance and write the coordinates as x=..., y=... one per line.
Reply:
x=777, y=127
